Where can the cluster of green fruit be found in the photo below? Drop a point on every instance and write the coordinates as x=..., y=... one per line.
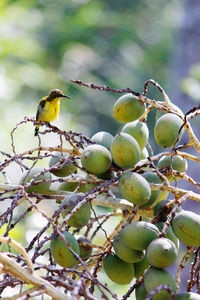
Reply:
x=139, y=244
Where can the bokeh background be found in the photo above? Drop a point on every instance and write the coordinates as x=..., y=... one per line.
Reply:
x=45, y=43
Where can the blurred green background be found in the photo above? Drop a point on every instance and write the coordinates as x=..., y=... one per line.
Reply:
x=44, y=44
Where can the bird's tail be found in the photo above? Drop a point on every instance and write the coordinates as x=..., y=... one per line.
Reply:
x=36, y=130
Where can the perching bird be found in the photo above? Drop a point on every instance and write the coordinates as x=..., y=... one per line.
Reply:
x=49, y=107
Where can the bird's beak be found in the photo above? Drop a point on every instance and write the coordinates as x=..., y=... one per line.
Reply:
x=65, y=96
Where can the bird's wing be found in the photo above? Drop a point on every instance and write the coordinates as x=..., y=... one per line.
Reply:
x=41, y=106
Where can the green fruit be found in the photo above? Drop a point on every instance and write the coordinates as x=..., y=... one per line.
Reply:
x=71, y=186
x=85, y=251
x=125, y=150
x=163, y=211
x=134, y=188
x=61, y=252
x=139, y=235
x=102, y=138
x=40, y=188
x=124, y=252
x=68, y=186
x=81, y=217
x=96, y=159
x=141, y=266
x=128, y=108
x=64, y=171
x=140, y=293
x=170, y=234
x=188, y=296
x=155, y=179
x=166, y=130
x=163, y=196
x=161, y=253
x=117, y=270
x=144, y=154
x=186, y=226
x=87, y=186
x=139, y=131
x=159, y=113
x=107, y=175
x=175, y=162
x=155, y=277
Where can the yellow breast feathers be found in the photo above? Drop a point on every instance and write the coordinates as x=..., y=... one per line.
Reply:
x=49, y=107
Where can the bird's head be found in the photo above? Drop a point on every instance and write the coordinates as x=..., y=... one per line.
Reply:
x=57, y=94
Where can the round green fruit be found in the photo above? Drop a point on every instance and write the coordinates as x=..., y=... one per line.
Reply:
x=163, y=211
x=40, y=188
x=107, y=175
x=144, y=154
x=163, y=196
x=125, y=150
x=81, y=217
x=87, y=186
x=155, y=277
x=128, y=108
x=70, y=186
x=118, y=270
x=102, y=138
x=186, y=226
x=188, y=296
x=140, y=293
x=96, y=159
x=64, y=171
x=139, y=131
x=61, y=252
x=134, y=188
x=124, y=252
x=155, y=179
x=141, y=266
x=176, y=162
x=161, y=253
x=166, y=130
x=170, y=234
x=139, y=235
x=85, y=251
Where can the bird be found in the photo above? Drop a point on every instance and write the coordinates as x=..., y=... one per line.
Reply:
x=49, y=107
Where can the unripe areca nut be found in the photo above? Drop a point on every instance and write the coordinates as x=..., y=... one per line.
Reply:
x=134, y=188
x=124, y=252
x=176, y=163
x=81, y=217
x=139, y=235
x=139, y=131
x=118, y=270
x=155, y=179
x=155, y=277
x=161, y=253
x=125, y=150
x=40, y=188
x=65, y=170
x=166, y=130
x=61, y=252
x=186, y=226
x=102, y=138
x=128, y=108
x=96, y=159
